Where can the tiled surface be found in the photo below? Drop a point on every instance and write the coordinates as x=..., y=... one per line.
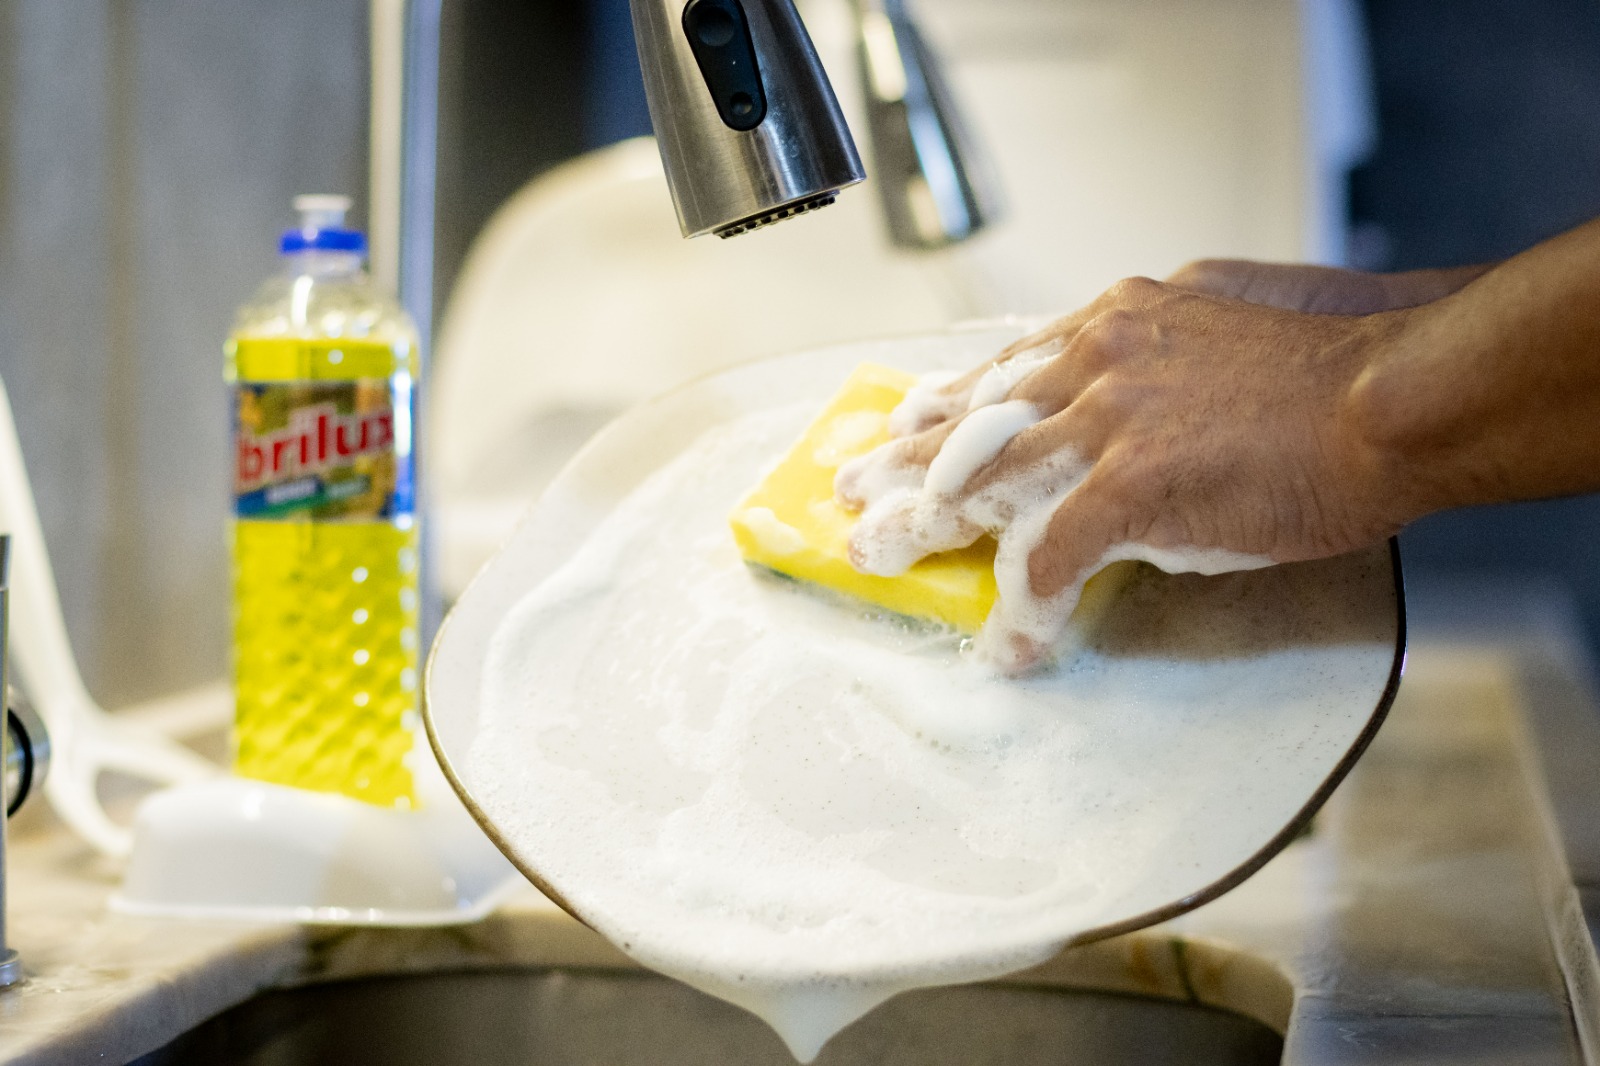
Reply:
x=1407, y=928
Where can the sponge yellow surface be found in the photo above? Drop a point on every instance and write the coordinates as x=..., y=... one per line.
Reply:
x=791, y=524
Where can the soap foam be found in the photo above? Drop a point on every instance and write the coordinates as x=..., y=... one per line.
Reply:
x=911, y=512
x=975, y=442
x=927, y=402
x=774, y=534
x=932, y=399
x=999, y=381
x=806, y=809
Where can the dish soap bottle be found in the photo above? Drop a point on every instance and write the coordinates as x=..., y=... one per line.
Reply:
x=322, y=366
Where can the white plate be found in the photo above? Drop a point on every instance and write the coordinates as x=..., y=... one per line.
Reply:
x=1217, y=793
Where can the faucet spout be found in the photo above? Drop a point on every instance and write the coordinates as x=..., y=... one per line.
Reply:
x=749, y=128
x=932, y=180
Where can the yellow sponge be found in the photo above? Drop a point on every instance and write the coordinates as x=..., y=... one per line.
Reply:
x=791, y=524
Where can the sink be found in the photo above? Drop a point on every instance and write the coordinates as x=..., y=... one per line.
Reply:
x=551, y=1017
x=1444, y=911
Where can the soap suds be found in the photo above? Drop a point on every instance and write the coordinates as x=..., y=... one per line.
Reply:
x=775, y=536
x=999, y=380
x=806, y=809
x=911, y=512
x=975, y=442
x=927, y=402
x=932, y=400
x=846, y=435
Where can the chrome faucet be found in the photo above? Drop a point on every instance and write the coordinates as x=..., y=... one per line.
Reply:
x=793, y=154
x=750, y=131
x=749, y=127
x=747, y=123
x=934, y=184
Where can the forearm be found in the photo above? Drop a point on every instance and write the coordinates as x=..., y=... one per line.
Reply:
x=1322, y=290
x=1492, y=394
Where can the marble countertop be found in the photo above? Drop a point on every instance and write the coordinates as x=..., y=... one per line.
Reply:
x=1443, y=907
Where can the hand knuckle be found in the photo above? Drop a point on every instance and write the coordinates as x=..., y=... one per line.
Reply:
x=1110, y=336
x=1134, y=290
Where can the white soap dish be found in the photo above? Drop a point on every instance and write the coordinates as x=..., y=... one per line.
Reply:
x=235, y=849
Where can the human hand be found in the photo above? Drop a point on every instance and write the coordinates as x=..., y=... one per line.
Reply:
x=1290, y=286
x=1159, y=423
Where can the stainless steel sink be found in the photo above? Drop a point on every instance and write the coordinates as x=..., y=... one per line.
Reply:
x=559, y=1017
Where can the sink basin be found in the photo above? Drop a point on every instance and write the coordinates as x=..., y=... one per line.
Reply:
x=551, y=1017
x=1440, y=914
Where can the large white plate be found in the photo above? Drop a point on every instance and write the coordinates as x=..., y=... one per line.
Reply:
x=1218, y=794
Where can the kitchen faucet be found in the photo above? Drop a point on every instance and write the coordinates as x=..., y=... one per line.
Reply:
x=748, y=126
x=933, y=180
x=749, y=129
x=747, y=123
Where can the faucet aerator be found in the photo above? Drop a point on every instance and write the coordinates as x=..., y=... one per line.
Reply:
x=777, y=214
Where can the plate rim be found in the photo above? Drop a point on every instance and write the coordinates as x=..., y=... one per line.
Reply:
x=1219, y=887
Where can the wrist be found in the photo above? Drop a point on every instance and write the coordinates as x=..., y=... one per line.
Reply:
x=1406, y=414
x=1412, y=288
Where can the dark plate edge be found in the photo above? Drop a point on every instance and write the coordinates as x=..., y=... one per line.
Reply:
x=1233, y=880
x=1292, y=830
x=485, y=823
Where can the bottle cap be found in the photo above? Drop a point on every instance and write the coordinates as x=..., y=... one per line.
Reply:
x=322, y=227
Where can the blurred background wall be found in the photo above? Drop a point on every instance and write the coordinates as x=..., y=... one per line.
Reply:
x=148, y=153
x=1489, y=141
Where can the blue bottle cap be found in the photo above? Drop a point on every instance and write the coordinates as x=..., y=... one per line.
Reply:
x=322, y=227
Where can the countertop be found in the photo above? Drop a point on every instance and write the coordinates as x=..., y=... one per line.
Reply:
x=1444, y=906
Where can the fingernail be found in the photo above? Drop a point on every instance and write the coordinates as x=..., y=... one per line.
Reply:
x=1024, y=656
x=857, y=556
x=1013, y=654
x=876, y=549
x=846, y=484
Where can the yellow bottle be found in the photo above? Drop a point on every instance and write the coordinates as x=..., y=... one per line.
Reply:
x=322, y=367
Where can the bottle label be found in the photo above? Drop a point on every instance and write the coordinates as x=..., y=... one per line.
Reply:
x=322, y=450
